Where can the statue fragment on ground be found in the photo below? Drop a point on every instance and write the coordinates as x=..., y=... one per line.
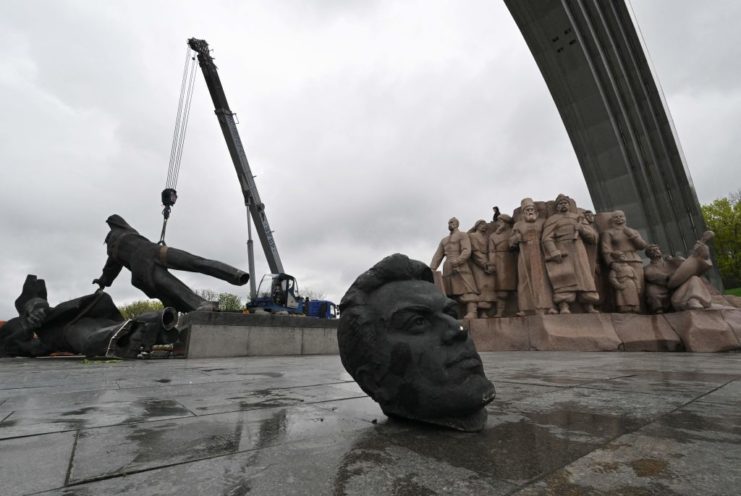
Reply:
x=90, y=325
x=400, y=339
x=457, y=277
x=148, y=263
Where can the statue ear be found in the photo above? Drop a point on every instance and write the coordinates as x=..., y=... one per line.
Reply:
x=366, y=376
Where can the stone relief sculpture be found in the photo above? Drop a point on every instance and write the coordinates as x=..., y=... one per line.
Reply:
x=400, y=339
x=533, y=289
x=457, y=277
x=675, y=282
x=90, y=325
x=148, y=263
x=483, y=271
x=592, y=249
x=567, y=263
x=502, y=258
x=620, y=237
x=558, y=258
x=625, y=281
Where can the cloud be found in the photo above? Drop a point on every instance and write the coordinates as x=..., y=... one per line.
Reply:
x=367, y=124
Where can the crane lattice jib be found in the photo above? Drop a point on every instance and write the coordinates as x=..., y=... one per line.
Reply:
x=236, y=150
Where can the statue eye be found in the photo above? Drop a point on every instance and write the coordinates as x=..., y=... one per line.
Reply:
x=416, y=324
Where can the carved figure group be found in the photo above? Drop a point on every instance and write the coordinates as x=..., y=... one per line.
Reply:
x=558, y=258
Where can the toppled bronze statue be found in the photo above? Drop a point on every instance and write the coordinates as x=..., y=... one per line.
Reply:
x=148, y=263
x=400, y=339
x=90, y=325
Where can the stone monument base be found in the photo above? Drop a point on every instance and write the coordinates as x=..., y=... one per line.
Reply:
x=226, y=334
x=710, y=330
x=216, y=334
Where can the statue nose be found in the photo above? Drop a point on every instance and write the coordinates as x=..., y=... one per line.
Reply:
x=455, y=332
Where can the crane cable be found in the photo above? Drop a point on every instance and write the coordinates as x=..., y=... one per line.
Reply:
x=169, y=194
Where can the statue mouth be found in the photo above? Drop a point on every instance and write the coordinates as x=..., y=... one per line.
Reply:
x=466, y=360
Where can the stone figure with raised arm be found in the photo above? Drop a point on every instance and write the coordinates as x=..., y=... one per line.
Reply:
x=502, y=257
x=675, y=282
x=620, y=237
x=457, y=277
x=624, y=280
x=483, y=271
x=533, y=289
x=567, y=262
x=148, y=263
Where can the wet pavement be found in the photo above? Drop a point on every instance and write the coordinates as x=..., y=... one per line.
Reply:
x=562, y=423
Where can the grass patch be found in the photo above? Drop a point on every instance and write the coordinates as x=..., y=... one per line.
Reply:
x=734, y=291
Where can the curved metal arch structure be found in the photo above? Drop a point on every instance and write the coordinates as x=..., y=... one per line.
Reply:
x=594, y=64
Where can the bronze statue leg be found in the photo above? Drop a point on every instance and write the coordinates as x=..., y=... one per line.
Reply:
x=174, y=293
x=174, y=258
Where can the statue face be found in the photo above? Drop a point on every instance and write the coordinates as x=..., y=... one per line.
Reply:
x=589, y=217
x=429, y=366
x=654, y=253
x=453, y=224
x=482, y=227
x=530, y=213
x=562, y=205
x=501, y=227
x=618, y=218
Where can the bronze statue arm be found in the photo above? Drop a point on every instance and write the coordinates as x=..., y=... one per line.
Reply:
x=111, y=269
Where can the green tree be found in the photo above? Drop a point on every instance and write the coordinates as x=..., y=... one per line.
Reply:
x=723, y=217
x=228, y=302
x=139, y=307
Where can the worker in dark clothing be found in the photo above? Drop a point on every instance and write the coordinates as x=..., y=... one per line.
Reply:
x=90, y=325
x=148, y=263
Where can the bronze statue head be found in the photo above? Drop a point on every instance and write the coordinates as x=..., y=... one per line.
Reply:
x=401, y=341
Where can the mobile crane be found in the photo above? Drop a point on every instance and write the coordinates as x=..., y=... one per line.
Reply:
x=283, y=296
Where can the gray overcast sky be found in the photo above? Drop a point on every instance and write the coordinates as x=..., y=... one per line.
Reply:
x=367, y=123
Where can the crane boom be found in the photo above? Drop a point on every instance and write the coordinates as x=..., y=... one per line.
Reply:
x=236, y=150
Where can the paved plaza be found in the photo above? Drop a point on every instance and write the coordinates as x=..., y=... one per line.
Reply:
x=562, y=423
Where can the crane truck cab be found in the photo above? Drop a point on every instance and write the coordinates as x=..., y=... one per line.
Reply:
x=278, y=293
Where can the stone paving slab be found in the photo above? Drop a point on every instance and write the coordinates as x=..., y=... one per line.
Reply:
x=562, y=423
